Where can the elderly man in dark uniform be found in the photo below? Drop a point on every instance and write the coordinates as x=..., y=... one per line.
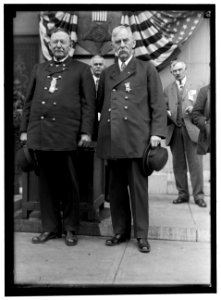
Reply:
x=133, y=114
x=58, y=116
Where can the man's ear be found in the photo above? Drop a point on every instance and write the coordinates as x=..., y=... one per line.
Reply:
x=134, y=44
x=49, y=45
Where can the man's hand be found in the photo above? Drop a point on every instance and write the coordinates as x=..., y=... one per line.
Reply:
x=23, y=137
x=85, y=139
x=189, y=109
x=155, y=141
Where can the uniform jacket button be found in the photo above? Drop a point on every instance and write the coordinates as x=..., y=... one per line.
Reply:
x=45, y=88
x=125, y=107
x=42, y=117
x=48, y=76
x=125, y=118
x=53, y=119
x=114, y=90
x=108, y=120
x=42, y=102
x=54, y=103
x=109, y=109
x=126, y=97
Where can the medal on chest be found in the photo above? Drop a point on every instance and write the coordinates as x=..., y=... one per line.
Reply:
x=127, y=87
x=53, y=87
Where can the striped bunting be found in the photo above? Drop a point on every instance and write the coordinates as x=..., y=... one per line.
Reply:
x=159, y=34
x=51, y=20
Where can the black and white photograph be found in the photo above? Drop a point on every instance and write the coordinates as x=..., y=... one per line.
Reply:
x=109, y=149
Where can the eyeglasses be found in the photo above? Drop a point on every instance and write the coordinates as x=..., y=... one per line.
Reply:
x=97, y=64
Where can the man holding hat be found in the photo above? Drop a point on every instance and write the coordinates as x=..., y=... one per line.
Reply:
x=58, y=117
x=133, y=114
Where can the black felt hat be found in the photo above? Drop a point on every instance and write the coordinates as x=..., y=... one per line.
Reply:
x=154, y=159
x=26, y=159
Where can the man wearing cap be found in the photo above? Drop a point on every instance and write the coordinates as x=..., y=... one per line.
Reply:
x=133, y=114
x=182, y=137
x=58, y=117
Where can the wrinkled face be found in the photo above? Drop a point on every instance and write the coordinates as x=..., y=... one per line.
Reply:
x=123, y=44
x=60, y=44
x=97, y=66
x=178, y=70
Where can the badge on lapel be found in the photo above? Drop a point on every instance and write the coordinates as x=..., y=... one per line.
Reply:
x=192, y=95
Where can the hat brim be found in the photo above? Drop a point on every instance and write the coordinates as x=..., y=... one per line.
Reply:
x=25, y=159
x=147, y=171
x=154, y=159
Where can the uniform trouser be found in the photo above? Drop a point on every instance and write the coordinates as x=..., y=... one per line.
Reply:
x=126, y=173
x=58, y=191
x=184, y=152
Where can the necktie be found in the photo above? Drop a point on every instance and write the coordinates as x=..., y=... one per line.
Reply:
x=123, y=66
x=96, y=84
x=180, y=85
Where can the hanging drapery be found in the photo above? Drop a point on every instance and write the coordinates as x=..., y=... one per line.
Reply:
x=51, y=20
x=159, y=34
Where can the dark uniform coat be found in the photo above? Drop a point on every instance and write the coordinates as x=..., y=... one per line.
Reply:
x=132, y=109
x=188, y=98
x=53, y=121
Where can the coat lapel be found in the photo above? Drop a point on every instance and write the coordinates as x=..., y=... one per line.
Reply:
x=117, y=76
x=174, y=93
x=186, y=89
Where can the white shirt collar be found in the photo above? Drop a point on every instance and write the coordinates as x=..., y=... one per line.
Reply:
x=95, y=78
x=126, y=61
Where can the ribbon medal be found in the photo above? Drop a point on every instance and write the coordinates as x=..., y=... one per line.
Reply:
x=53, y=88
x=127, y=87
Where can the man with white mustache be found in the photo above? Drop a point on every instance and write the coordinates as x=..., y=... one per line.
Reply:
x=58, y=116
x=133, y=114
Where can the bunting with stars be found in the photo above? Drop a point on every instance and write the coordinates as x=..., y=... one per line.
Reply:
x=159, y=34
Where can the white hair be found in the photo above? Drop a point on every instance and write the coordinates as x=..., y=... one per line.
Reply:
x=117, y=29
x=175, y=62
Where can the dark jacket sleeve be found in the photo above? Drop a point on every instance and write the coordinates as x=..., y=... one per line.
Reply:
x=88, y=102
x=157, y=103
x=28, y=101
x=198, y=116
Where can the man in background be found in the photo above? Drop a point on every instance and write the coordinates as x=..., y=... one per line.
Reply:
x=182, y=136
x=97, y=66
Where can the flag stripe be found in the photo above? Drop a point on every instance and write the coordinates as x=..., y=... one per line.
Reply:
x=158, y=34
